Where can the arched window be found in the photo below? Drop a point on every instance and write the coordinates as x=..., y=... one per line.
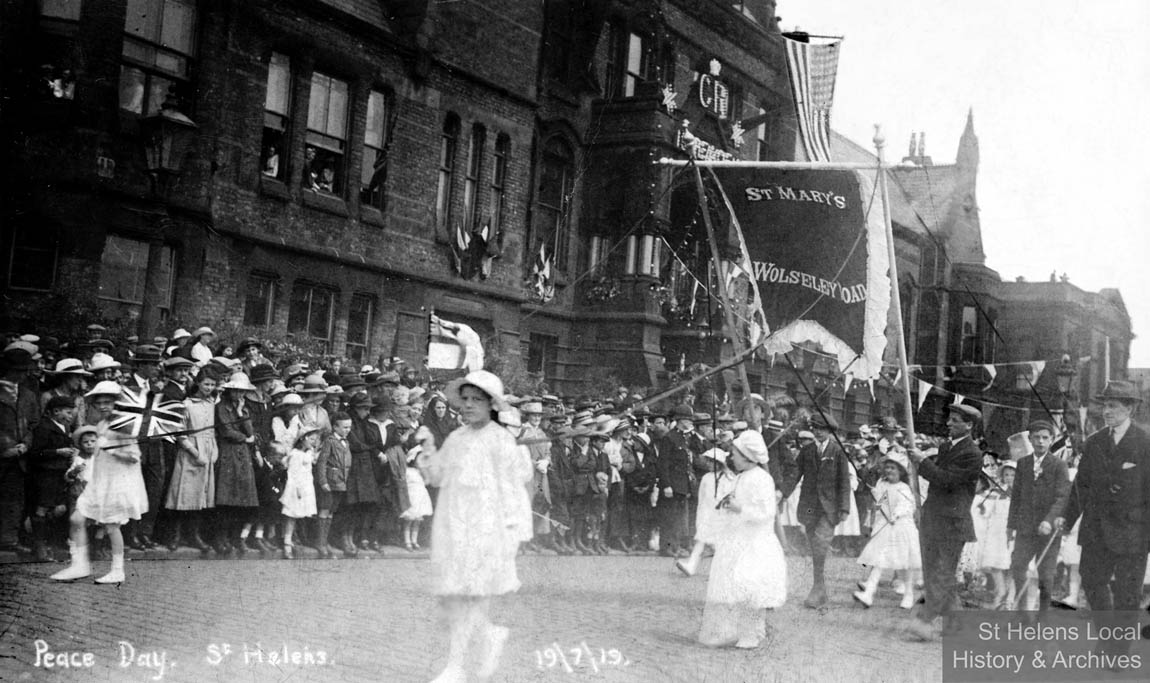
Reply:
x=553, y=198
x=471, y=181
x=448, y=143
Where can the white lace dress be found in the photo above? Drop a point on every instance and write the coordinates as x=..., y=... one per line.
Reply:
x=894, y=542
x=483, y=511
x=115, y=493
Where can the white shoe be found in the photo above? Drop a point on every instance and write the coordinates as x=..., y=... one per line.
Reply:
x=907, y=600
x=81, y=565
x=687, y=569
x=899, y=587
x=865, y=598
x=749, y=643
x=76, y=570
x=496, y=639
x=117, y=573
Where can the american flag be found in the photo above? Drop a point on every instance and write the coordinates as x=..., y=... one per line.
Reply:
x=147, y=414
x=812, y=70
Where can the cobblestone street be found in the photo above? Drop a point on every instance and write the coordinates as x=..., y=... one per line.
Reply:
x=372, y=620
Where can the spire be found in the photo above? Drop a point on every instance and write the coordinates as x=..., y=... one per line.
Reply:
x=968, y=144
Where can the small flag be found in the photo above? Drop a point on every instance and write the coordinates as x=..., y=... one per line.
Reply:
x=453, y=346
x=993, y=371
x=923, y=391
x=147, y=414
x=540, y=280
x=812, y=70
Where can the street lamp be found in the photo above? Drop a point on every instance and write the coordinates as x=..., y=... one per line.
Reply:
x=166, y=138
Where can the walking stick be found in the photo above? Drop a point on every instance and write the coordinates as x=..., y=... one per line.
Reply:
x=1026, y=586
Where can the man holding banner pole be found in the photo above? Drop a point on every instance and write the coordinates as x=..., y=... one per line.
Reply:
x=946, y=519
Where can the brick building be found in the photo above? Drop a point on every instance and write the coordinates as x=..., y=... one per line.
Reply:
x=344, y=151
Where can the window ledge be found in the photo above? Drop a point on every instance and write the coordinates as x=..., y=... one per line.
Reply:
x=325, y=202
x=274, y=188
x=371, y=216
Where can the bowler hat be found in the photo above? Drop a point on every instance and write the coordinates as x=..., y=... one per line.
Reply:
x=1120, y=390
x=147, y=353
x=968, y=413
x=360, y=401
x=682, y=412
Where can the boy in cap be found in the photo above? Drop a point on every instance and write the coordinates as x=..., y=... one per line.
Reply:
x=1041, y=491
x=825, y=497
x=49, y=457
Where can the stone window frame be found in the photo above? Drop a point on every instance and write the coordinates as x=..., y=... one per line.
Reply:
x=473, y=177
x=277, y=128
x=326, y=141
x=364, y=345
x=445, y=187
x=373, y=189
x=149, y=54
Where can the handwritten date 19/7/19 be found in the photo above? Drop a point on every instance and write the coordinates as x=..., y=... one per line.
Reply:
x=583, y=656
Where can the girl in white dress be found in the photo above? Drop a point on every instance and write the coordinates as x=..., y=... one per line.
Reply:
x=749, y=572
x=115, y=491
x=420, y=506
x=484, y=513
x=990, y=517
x=298, y=497
x=894, y=543
x=713, y=487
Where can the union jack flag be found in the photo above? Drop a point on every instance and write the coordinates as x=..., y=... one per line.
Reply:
x=147, y=414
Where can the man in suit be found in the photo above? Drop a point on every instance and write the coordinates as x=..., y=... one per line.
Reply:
x=675, y=479
x=1112, y=494
x=825, y=497
x=1041, y=489
x=946, y=522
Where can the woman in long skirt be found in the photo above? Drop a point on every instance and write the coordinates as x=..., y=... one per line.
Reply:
x=749, y=572
x=482, y=515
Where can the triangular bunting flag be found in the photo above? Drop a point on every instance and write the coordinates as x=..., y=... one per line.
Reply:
x=1036, y=366
x=958, y=399
x=993, y=371
x=870, y=385
x=923, y=390
x=847, y=381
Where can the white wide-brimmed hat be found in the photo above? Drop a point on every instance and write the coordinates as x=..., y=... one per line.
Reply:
x=105, y=388
x=70, y=366
x=102, y=361
x=483, y=380
x=238, y=382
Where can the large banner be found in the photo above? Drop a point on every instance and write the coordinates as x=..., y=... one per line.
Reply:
x=816, y=245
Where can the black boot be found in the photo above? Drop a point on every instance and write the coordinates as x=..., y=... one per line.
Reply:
x=175, y=540
x=194, y=538
x=40, y=539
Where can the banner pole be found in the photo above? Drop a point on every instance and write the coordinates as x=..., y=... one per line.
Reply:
x=896, y=301
x=721, y=282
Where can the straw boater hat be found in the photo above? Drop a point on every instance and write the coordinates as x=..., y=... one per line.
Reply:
x=483, y=380
x=531, y=408
x=70, y=366
x=752, y=447
x=147, y=353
